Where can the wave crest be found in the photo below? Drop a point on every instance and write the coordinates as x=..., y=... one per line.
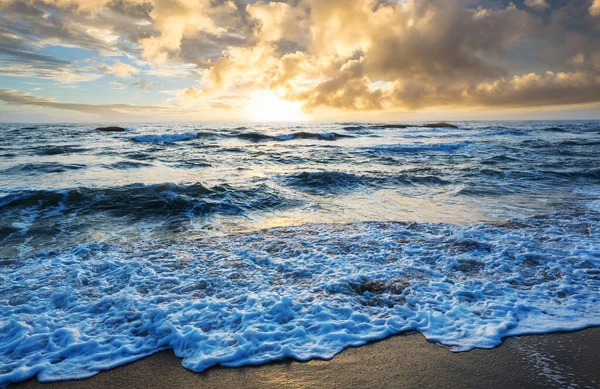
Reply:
x=166, y=138
x=302, y=292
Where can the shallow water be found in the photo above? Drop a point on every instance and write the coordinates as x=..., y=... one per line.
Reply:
x=240, y=245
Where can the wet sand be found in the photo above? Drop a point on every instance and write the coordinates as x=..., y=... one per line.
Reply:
x=404, y=361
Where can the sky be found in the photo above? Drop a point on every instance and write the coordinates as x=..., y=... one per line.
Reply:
x=117, y=61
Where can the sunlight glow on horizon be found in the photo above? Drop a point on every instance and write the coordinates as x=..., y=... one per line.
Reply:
x=267, y=107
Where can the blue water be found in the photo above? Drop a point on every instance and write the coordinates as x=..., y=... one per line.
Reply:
x=239, y=245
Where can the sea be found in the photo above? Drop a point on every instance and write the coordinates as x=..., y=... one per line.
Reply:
x=241, y=244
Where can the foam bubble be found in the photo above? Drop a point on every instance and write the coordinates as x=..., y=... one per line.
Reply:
x=300, y=292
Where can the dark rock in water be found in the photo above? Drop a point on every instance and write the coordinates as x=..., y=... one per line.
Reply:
x=373, y=287
x=111, y=129
x=29, y=128
x=378, y=287
x=440, y=125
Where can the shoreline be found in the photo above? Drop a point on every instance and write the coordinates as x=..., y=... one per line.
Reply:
x=557, y=359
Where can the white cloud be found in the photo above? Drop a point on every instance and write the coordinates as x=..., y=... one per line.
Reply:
x=120, y=70
x=64, y=75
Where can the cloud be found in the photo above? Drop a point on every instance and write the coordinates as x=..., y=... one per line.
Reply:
x=189, y=97
x=410, y=55
x=190, y=94
x=175, y=20
x=38, y=24
x=13, y=97
x=118, y=85
x=578, y=59
x=277, y=21
x=17, y=50
x=350, y=55
x=120, y=70
x=223, y=106
x=63, y=74
x=595, y=8
x=144, y=84
x=596, y=60
x=539, y=5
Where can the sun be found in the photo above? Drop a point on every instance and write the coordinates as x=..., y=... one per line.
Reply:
x=266, y=107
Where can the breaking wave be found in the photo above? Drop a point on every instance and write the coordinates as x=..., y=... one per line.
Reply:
x=138, y=200
x=297, y=292
x=98, y=271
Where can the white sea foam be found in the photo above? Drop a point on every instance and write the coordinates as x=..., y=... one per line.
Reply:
x=300, y=292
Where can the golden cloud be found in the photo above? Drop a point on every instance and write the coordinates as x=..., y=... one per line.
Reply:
x=177, y=19
x=355, y=55
x=595, y=8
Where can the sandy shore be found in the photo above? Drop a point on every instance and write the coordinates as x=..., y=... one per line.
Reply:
x=405, y=361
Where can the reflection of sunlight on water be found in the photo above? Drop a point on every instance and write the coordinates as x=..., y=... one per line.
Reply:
x=281, y=221
x=391, y=207
x=383, y=207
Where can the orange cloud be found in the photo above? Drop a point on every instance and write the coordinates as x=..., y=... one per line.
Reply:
x=595, y=8
x=352, y=55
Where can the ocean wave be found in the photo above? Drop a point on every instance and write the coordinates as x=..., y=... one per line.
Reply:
x=485, y=190
x=580, y=174
x=138, y=201
x=509, y=132
x=419, y=147
x=337, y=182
x=553, y=129
x=429, y=180
x=391, y=126
x=207, y=134
x=126, y=165
x=297, y=292
x=326, y=182
x=166, y=138
x=355, y=128
x=59, y=149
x=42, y=168
x=579, y=142
x=260, y=137
x=434, y=126
x=498, y=159
x=138, y=155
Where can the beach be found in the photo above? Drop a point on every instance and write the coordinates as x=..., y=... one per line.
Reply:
x=299, y=194
x=557, y=360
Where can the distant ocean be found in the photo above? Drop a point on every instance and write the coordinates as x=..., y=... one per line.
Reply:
x=239, y=245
